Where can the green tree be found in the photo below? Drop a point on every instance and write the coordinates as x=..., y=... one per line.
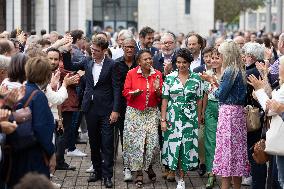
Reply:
x=229, y=10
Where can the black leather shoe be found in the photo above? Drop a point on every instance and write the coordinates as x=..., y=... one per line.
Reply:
x=65, y=166
x=202, y=170
x=95, y=177
x=108, y=183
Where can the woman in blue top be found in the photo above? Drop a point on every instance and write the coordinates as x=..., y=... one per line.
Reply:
x=40, y=157
x=231, y=160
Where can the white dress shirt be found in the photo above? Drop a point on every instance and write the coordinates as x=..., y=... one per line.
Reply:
x=195, y=63
x=55, y=98
x=97, y=68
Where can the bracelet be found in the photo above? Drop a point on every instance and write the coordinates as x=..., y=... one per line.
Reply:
x=163, y=120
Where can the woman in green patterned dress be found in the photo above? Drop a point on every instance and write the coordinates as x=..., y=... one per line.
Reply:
x=211, y=117
x=181, y=115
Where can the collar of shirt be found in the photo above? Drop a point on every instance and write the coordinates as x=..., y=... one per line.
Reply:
x=199, y=57
x=171, y=56
x=152, y=71
x=140, y=48
x=99, y=63
x=123, y=62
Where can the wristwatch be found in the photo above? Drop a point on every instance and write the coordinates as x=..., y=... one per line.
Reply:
x=163, y=120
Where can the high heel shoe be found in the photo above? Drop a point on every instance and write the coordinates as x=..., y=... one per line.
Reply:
x=210, y=182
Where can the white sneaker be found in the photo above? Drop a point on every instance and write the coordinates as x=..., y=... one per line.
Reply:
x=247, y=181
x=127, y=175
x=181, y=184
x=90, y=170
x=55, y=185
x=76, y=153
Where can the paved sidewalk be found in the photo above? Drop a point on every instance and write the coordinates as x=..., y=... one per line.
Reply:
x=78, y=179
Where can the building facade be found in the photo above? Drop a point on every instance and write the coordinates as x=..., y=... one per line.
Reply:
x=177, y=16
x=65, y=15
x=255, y=20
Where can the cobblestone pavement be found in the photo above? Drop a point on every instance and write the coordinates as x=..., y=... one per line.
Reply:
x=78, y=179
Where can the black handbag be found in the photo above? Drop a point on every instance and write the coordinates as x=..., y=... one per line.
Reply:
x=23, y=137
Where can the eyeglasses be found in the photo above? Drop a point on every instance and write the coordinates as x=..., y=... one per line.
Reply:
x=129, y=47
x=168, y=42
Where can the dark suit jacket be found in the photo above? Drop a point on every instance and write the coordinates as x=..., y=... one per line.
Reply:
x=106, y=94
x=153, y=50
x=77, y=54
x=200, y=69
x=202, y=66
x=159, y=62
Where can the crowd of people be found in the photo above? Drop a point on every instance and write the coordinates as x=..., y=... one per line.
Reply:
x=182, y=100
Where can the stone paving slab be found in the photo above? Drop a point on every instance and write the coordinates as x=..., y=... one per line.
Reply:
x=78, y=179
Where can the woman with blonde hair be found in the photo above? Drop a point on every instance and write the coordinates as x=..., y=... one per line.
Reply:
x=231, y=160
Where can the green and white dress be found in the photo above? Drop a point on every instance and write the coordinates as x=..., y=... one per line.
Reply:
x=181, y=137
x=211, y=120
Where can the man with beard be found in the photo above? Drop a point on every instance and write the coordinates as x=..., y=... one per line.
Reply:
x=124, y=64
x=165, y=61
x=55, y=99
x=194, y=43
x=146, y=39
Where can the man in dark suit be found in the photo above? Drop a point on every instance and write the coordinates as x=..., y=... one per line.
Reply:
x=165, y=60
x=146, y=39
x=100, y=105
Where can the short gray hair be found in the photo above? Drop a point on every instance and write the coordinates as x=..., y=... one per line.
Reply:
x=54, y=33
x=166, y=34
x=254, y=49
x=33, y=39
x=125, y=34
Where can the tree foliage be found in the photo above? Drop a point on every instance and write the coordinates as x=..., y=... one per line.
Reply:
x=228, y=10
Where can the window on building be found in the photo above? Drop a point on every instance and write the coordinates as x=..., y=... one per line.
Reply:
x=28, y=14
x=52, y=15
x=115, y=13
x=187, y=6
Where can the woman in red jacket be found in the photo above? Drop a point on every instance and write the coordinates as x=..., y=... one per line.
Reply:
x=142, y=90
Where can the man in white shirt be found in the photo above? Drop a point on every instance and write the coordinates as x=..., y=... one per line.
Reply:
x=194, y=43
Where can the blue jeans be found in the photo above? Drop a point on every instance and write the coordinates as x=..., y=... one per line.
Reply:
x=280, y=167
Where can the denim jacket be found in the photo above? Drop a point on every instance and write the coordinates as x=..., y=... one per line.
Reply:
x=229, y=91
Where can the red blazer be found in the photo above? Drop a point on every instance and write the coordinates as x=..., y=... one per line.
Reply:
x=135, y=80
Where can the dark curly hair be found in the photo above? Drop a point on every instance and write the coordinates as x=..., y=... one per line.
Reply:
x=139, y=54
x=185, y=54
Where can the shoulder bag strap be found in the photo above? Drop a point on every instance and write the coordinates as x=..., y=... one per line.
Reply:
x=30, y=98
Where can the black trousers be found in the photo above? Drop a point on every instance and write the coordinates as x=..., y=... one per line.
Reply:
x=69, y=131
x=258, y=171
x=101, y=135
